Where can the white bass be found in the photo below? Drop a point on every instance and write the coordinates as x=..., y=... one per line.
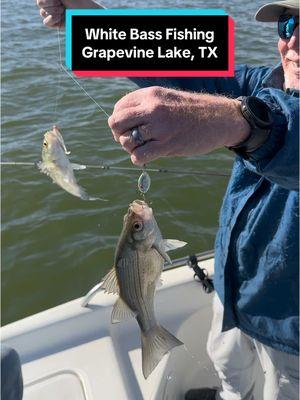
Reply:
x=139, y=259
x=56, y=164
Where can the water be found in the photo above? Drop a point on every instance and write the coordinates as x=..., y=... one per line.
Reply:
x=55, y=247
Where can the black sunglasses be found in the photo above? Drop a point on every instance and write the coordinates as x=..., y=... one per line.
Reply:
x=287, y=25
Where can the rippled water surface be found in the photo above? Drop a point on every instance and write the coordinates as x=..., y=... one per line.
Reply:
x=55, y=246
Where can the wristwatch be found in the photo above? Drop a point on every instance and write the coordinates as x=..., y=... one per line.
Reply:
x=258, y=115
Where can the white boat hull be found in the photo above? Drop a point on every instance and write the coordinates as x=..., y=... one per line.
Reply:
x=71, y=352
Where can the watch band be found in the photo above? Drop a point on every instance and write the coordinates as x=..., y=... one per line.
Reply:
x=258, y=115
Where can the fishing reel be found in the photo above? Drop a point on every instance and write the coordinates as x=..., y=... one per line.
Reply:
x=201, y=275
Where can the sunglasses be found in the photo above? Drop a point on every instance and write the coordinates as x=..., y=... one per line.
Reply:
x=287, y=25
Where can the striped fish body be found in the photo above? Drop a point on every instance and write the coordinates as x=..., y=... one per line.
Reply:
x=139, y=259
x=138, y=275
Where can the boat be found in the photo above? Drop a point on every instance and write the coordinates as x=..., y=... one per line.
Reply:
x=73, y=352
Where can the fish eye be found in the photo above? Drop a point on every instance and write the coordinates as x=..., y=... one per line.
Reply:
x=137, y=226
x=45, y=143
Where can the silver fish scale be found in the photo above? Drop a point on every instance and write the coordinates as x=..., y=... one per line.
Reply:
x=137, y=274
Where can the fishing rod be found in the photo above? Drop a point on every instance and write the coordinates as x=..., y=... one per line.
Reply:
x=108, y=167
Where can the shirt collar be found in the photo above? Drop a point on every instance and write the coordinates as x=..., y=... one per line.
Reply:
x=275, y=79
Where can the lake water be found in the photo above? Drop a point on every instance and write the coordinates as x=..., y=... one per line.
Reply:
x=55, y=247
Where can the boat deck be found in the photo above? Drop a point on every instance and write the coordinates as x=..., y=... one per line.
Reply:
x=71, y=352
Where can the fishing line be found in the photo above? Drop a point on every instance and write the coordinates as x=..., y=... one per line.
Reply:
x=59, y=80
x=105, y=166
x=128, y=169
x=75, y=80
x=56, y=99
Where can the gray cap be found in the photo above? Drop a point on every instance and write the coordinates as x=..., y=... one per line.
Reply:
x=271, y=12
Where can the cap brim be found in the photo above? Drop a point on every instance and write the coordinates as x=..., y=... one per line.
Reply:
x=272, y=11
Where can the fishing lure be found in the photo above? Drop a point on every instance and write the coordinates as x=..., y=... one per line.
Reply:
x=144, y=180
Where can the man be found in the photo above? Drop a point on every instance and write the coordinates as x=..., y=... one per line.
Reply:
x=256, y=251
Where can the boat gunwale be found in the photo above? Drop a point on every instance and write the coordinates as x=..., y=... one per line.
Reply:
x=183, y=261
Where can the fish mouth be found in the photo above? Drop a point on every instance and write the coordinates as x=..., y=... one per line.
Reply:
x=53, y=132
x=139, y=202
x=56, y=129
x=140, y=208
x=138, y=205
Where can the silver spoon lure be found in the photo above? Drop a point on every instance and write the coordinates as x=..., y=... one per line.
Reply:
x=144, y=180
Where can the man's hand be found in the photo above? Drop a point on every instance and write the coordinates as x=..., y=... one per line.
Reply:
x=53, y=11
x=176, y=123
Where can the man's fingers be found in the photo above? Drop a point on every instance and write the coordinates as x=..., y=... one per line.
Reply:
x=148, y=152
x=127, y=142
x=43, y=13
x=48, y=3
x=125, y=120
x=42, y=3
x=52, y=12
x=52, y=21
x=53, y=9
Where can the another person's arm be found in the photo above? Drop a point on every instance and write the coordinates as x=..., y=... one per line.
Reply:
x=53, y=11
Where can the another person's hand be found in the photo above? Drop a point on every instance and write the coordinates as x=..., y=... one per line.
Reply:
x=53, y=11
x=176, y=123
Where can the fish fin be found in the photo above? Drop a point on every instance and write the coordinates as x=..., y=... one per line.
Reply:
x=85, y=196
x=121, y=312
x=172, y=244
x=42, y=167
x=160, y=249
x=155, y=344
x=76, y=166
x=110, y=282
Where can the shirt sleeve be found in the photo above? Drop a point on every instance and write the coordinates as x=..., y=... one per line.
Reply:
x=278, y=158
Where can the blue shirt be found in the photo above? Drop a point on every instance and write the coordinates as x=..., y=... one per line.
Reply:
x=256, y=249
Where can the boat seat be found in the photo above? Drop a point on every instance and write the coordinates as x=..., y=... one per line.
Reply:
x=11, y=374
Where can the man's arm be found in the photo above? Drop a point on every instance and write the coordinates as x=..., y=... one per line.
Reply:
x=53, y=11
x=278, y=158
x=176, y=123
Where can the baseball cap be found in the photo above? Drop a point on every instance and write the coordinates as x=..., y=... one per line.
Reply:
x=271, y=12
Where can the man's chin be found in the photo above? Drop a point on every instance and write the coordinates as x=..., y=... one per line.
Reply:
x=292, y=78
x=293, y=85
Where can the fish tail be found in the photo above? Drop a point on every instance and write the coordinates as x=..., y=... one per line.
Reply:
x=155, y=344
x=84, y=196
x=91, y=198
